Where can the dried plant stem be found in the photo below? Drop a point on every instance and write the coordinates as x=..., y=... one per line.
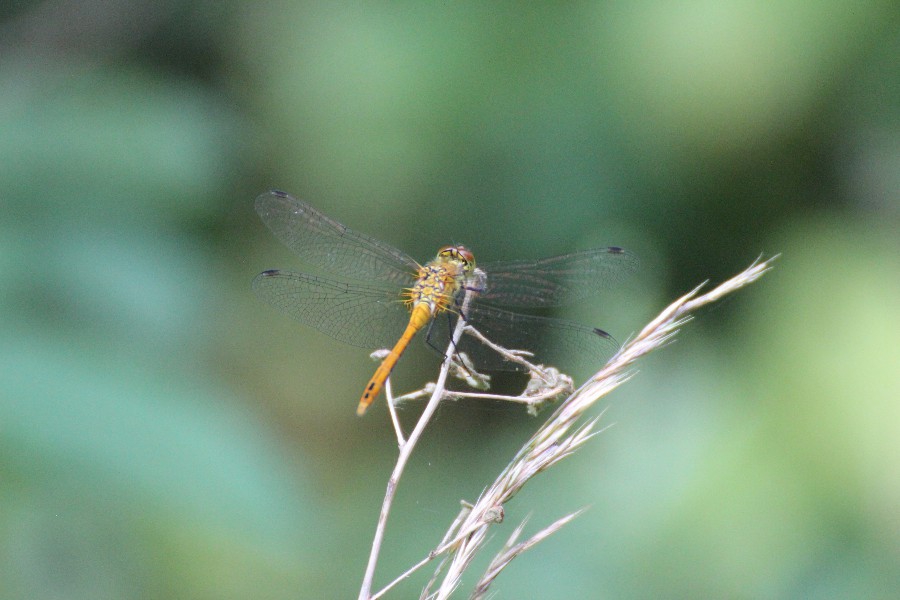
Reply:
x=406, y=449
x=389, y=394
x=559, y=436
x=517, y=356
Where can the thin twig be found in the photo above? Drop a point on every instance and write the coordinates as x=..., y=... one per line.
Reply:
x=521, y=399
x=389, y=396
x=405, y=452
x=516, y=356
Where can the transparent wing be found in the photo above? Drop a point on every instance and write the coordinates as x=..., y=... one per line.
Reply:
x=324, y=243
x=364, y=316
x=557, y=342
x=556, y=280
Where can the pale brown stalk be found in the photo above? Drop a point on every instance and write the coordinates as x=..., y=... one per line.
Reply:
x=558, y=437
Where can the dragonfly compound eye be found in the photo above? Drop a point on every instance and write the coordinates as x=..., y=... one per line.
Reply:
x=460, y=253
x=466, y=255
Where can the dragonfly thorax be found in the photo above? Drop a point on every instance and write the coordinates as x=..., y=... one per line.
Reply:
x=440, y=280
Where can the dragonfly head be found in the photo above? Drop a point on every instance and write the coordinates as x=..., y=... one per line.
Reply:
x=460, y=255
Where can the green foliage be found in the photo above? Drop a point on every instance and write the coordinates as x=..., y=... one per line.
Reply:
x=164, y=435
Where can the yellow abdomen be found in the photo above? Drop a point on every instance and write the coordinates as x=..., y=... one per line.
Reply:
x=437, y=284
x=421, y=314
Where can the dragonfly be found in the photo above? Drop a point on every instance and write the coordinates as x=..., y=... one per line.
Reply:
x=391, y=297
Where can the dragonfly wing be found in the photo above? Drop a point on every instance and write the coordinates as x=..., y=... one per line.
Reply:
x=558, y=279
x=364, y=316
x=324, y=243
x=557, y=342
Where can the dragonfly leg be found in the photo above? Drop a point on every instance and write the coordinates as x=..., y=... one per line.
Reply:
x=457, y=301
x=430, y=331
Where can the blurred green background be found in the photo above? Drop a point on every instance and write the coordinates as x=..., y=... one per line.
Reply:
x=165, y=435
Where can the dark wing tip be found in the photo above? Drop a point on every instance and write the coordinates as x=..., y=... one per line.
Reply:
x=627, y=261
x=264, y=200
x=264, y=275
x=610, y=339
x=271, y=193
